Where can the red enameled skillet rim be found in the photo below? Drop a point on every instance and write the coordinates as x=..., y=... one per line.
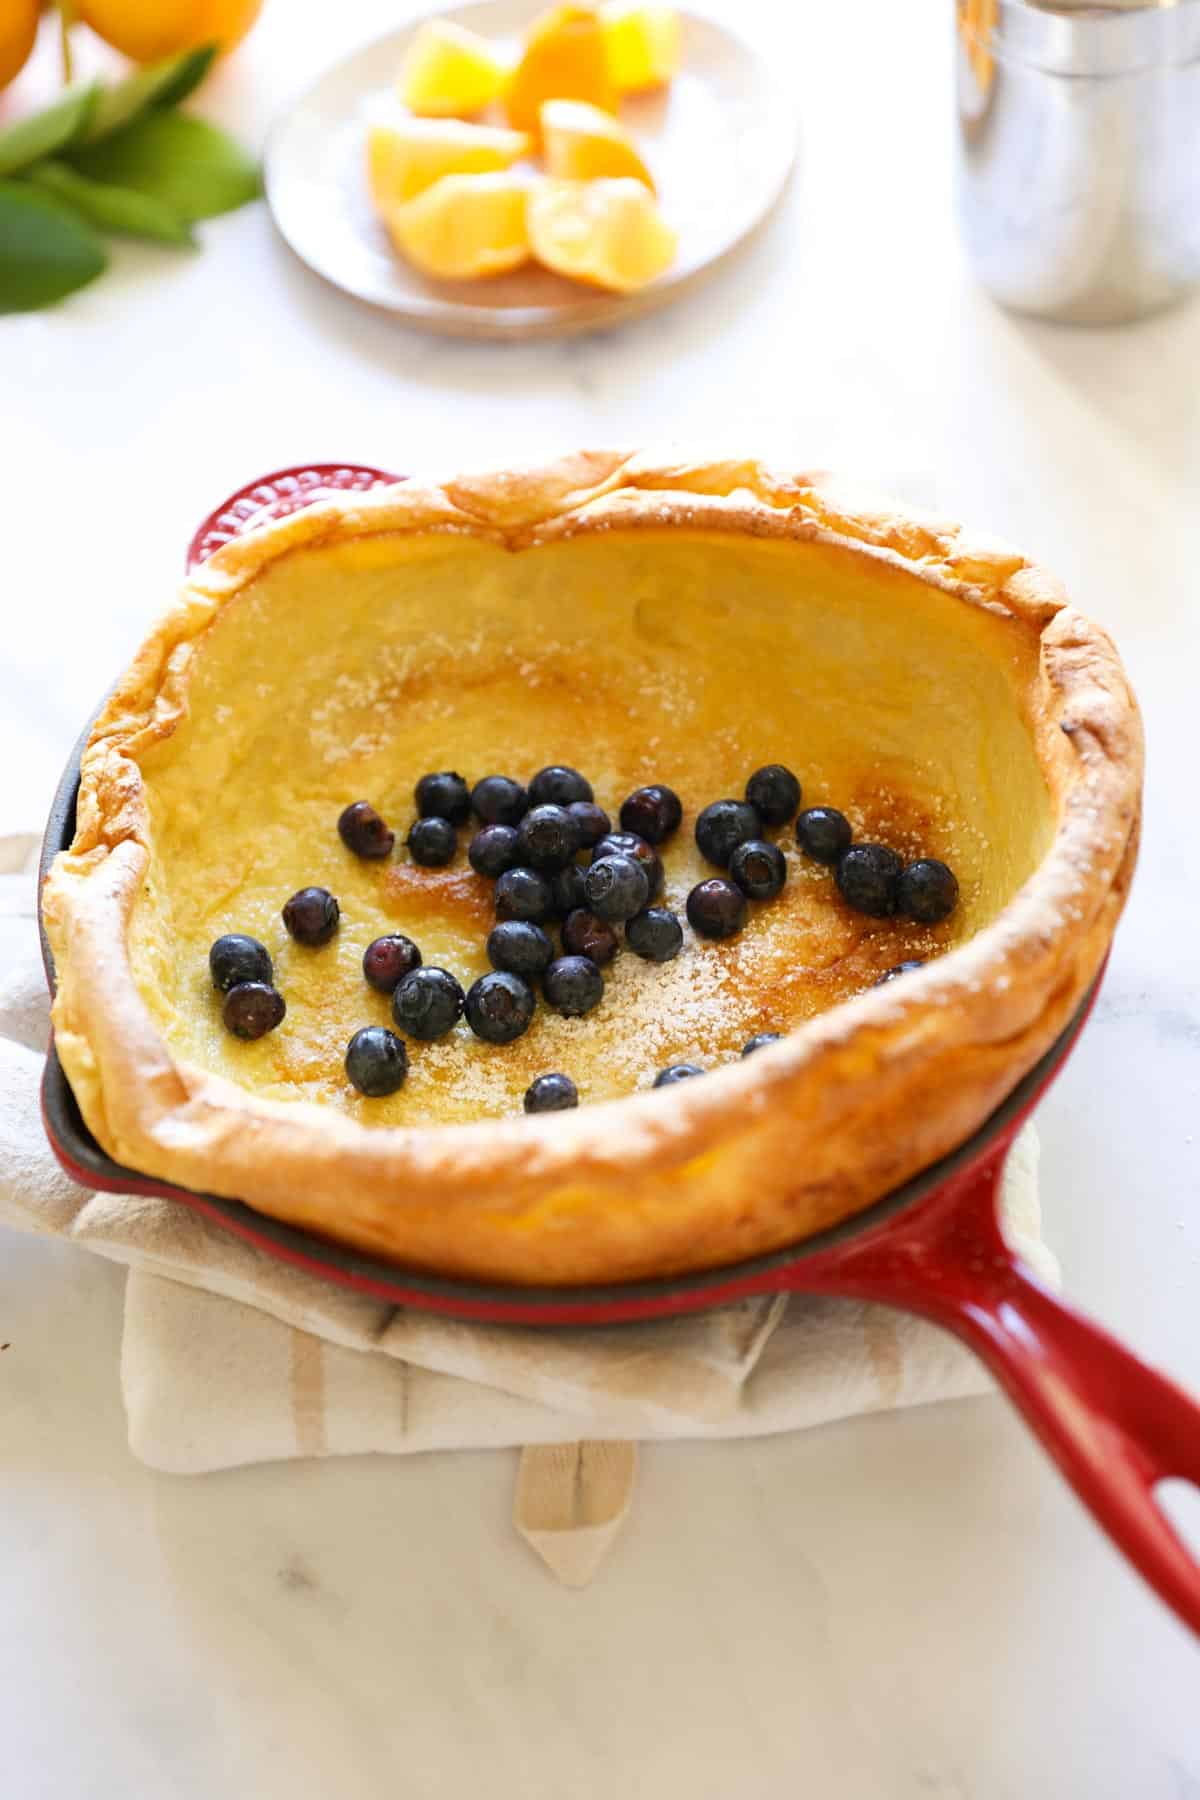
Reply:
x=86, y=1162
x=273, y=496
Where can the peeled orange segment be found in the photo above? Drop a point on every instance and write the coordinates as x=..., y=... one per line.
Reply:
x=644, y=44
x=405, y=158
x=448, y=71
x=582, y=143
x=464, y=226
x=563, y=58
x=610, y=233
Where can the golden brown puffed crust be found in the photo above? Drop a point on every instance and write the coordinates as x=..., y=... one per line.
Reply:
x=634, y=1188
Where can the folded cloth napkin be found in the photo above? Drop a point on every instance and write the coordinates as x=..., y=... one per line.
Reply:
x=230, y=1357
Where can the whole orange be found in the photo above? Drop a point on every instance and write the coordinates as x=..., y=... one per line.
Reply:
x=18, y=29
x=147, y=29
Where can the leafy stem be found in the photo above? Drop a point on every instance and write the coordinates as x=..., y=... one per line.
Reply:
x=119, y=159
x=66, y=18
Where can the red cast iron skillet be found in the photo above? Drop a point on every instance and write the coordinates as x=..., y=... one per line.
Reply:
x=934, y=1247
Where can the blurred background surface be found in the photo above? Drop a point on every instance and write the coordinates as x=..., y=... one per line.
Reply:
x=903, y=1608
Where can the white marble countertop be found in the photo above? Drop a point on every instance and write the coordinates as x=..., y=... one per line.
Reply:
x=906, y=1607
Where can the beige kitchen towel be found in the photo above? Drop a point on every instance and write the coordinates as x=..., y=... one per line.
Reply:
x=230, y=1357
x=570, y=1503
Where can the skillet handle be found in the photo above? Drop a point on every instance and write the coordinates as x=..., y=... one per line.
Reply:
x=1114, y=1426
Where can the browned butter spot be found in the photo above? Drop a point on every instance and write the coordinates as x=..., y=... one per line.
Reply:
x=456, y=894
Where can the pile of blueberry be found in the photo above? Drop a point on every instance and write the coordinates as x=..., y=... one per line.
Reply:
x=870, y=877
x=528, y=841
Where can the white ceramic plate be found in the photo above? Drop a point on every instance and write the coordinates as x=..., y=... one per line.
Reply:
x=720, y=142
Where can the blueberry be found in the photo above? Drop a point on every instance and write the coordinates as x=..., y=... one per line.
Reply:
x=444, y=796
x=498, y=801
x=388, y=960
x=524, y=894
x=716, y=908
x=235, y=958
x=252, y=1008
x=927, y=891
x=898, y=969
x=362, y=830
x=493, y=850
x=677, y=1072
x=629, y=843
x=759, y=869
x=584, y=934
x=312, y=916
x=558, y=786
x=592, y=823
x=547, y=838
x=824, y=834
x=724, y=825
x=653, y=812
x=520, y=947
x=376, y=1061
x=499, y=1006
x=655, y=934
x=573, y=985
x=774, y=793
x=427, y=1003
x=760, y=1040
x=551, y=1093
x=567, y=891
x=432, y=842
x=616, y=887
x=867, y=875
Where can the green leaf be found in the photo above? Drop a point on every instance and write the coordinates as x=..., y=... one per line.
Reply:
x=46, y=251
x=178, y=76
x=192, y=167
x=52, y=129
x=118, y=209
x=163, y=84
